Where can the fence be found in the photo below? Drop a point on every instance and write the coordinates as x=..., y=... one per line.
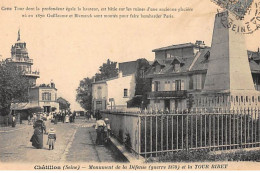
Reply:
x=156, y=134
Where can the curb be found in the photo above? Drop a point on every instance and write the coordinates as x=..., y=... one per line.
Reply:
x=129, y=157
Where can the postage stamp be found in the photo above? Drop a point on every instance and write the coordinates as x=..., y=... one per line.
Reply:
x=237, y=7
x=245, y=19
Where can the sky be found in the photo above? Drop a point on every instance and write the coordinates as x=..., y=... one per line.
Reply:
x=68, y=50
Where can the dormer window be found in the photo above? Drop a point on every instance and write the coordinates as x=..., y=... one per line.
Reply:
x=177, y=67
x=158, y=68
x=168, y=55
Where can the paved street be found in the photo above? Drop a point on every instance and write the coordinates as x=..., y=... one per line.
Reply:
x=75, y=143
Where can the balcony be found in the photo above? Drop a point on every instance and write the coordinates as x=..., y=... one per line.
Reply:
x=26, y=60
x=167, y=94
x=32, y=73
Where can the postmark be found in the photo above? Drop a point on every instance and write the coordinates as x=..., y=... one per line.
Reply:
x=238, y=7
x=246, y=24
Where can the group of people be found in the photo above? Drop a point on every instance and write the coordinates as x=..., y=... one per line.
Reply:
x=39, y=131
x=64, y=117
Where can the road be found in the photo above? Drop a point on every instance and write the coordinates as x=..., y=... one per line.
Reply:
x=75, y=143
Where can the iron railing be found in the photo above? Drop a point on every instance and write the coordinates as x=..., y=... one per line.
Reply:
x=167, y=94
x=160, y=133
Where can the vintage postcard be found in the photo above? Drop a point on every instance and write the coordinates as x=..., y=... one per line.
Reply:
x=130, y=85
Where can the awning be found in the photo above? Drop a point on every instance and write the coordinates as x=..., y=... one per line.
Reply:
x=23, y=106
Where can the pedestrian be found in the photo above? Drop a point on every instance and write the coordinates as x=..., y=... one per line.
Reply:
x=100, y=129
x=39, y=128
x=29, y=120
x=34, y=118
x=51, y=138
x=20, y=118
x=63, y=117
x=13, y=121
x=55, y=118
x=67, y=119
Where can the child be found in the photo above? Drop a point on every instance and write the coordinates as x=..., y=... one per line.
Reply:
x=51, y=138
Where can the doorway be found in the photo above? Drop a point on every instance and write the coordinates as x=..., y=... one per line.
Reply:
x=167, y=105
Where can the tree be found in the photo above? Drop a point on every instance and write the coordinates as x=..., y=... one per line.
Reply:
x=84, y=93
x=107, y=70
x=143, y=85
x=63, y=103
x=13, y=87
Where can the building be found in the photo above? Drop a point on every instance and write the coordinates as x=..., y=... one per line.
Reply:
x=192, y=75
x=45, y=97
x=20, y=58
x=119, y=92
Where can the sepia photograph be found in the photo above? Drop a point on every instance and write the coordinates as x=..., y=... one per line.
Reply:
x=130, y=85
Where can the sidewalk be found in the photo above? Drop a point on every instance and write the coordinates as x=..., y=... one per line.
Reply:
x=84, y=149
x=4, y=129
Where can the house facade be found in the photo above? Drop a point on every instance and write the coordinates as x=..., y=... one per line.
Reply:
x=175, y=75
x=115, y=93
x=175, y=80
x=99, y=95
x=44, y=96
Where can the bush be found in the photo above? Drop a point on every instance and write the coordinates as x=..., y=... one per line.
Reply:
x=205, y=156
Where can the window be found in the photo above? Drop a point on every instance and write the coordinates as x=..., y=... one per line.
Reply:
x=190, y=82
x=177, y=85
x=46, y=96
x=169, y=55
x=177, y=67
x=167, y=86
x=125, y=92
x=156, y=86
x=157, y=68
x=99, y=92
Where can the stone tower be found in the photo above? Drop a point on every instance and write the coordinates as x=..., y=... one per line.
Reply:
x=19, y=57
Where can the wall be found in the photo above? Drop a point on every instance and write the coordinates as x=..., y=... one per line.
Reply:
x=181, y=52
x=122, y=124
x=95, y=91
x=115, y=89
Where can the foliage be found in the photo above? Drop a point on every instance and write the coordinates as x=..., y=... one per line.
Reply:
x=84, y=93
x=143, y=85
x=206, y=156
x=63, y=103
x=13, y=87
x=107, y=70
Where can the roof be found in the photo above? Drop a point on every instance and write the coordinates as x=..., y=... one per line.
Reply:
x=197, y=63
x=177, y=46
x=128, y=68
x=105, y=80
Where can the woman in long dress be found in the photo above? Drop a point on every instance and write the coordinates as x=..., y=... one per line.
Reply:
x=67, y=119
x=37, y=138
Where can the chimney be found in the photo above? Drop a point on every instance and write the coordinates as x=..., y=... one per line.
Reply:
x=52, y=84
x=200, y=44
